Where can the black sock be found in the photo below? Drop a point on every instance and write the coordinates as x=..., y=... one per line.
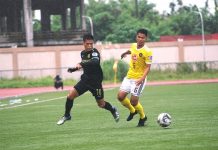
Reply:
x=109, y=107
x=68, y=107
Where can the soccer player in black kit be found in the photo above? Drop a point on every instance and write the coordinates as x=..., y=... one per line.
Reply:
x=91, y=80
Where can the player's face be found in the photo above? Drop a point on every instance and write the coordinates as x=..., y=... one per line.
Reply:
x=140, y=39
x=88, y=44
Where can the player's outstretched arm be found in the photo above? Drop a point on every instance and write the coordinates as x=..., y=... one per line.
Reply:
x=70, y=70
x=78, y=66
x=125, y=53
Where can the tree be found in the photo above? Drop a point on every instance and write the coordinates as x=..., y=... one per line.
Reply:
x=172, y=7
x=216, y=5
x=136, y=8
x=116, y=21
x=103, y=20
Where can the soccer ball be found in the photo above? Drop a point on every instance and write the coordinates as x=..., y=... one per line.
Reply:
x=164, y=119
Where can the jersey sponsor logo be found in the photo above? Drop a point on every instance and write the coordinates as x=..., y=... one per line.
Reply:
x=134, y=57
x=94, y=54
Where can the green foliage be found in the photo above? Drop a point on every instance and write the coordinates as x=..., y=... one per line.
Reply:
x=56, y=23
x=122, y=70
x=211, y=23
x=36, y=25
x=184, y=71
x=24, y=82
x=184, y=68
x=107, y=67
x=201, y=66
x=108, y=71
x=20, y=82
x=118, y=21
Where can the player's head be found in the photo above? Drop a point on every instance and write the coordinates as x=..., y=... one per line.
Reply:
x=88, y=36
x=88, y=41
x=143, y=31
x=141, y=36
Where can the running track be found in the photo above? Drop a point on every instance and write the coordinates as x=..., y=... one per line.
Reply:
x=12, y=92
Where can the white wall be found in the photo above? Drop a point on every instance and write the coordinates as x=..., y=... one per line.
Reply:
x=44, y=61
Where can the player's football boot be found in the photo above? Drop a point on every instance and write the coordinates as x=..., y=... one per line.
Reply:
x=116, y=115
x=63, y=119
x=131, y=115
x=142, y=122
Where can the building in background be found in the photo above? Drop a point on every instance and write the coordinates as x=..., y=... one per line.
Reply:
x=17, y=20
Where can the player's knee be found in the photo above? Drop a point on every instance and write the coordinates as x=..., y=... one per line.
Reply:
x=72, y=94
x=120, y=97
x=133, y=102
x=101, y=103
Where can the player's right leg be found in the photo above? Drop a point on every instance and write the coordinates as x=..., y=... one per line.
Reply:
x=126, y=103
x=122, y=97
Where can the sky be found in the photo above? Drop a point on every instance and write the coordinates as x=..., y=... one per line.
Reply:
x=163, y=5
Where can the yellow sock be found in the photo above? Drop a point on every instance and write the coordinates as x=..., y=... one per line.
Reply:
x=140, y=110
x=127, y=104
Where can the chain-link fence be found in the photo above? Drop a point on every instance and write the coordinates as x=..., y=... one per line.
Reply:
x=43, y=72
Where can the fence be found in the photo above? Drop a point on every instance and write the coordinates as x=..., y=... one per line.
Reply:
x=43, y=72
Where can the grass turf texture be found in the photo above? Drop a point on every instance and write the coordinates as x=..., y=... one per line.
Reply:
x=193, y=108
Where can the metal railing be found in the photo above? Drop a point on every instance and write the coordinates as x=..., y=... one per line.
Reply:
x=44, y=72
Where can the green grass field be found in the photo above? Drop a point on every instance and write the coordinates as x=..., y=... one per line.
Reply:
x=31, y=125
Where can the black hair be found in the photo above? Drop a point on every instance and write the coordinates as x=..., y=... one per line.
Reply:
x=88, y=36
x=143, y=31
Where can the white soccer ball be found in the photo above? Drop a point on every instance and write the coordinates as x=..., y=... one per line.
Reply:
x=164, y=119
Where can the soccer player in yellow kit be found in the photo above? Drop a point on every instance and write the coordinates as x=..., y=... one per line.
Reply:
x=135, y=80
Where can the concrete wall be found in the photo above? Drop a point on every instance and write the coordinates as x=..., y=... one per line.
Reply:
x=48, y=61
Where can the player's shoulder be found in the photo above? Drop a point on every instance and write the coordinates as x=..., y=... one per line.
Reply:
x=133, y=45
x=83, y=52
x=147, y=49
x=95, y=52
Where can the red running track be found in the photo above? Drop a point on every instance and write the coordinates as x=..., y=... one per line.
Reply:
x=12, y=92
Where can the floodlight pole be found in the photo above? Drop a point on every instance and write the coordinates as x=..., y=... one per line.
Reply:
x=91, y=24
x=202, y=31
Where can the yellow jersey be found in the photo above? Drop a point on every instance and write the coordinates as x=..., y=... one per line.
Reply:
x=139, y=59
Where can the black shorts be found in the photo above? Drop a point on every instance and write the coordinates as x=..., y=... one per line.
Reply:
x=96, y=91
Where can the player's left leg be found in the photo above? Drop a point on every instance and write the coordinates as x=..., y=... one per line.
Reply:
x=139, y=108
x=99, y=96
x=106, y=105
x=143, y=117
x=135, y=93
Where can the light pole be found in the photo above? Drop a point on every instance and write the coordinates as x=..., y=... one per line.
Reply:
x=202, y=31
x=91, y=24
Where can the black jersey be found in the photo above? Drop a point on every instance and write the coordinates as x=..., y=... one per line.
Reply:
x=92, y=72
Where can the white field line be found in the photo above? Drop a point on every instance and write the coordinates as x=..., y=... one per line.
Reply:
x=41, y=101
x=33, y=103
